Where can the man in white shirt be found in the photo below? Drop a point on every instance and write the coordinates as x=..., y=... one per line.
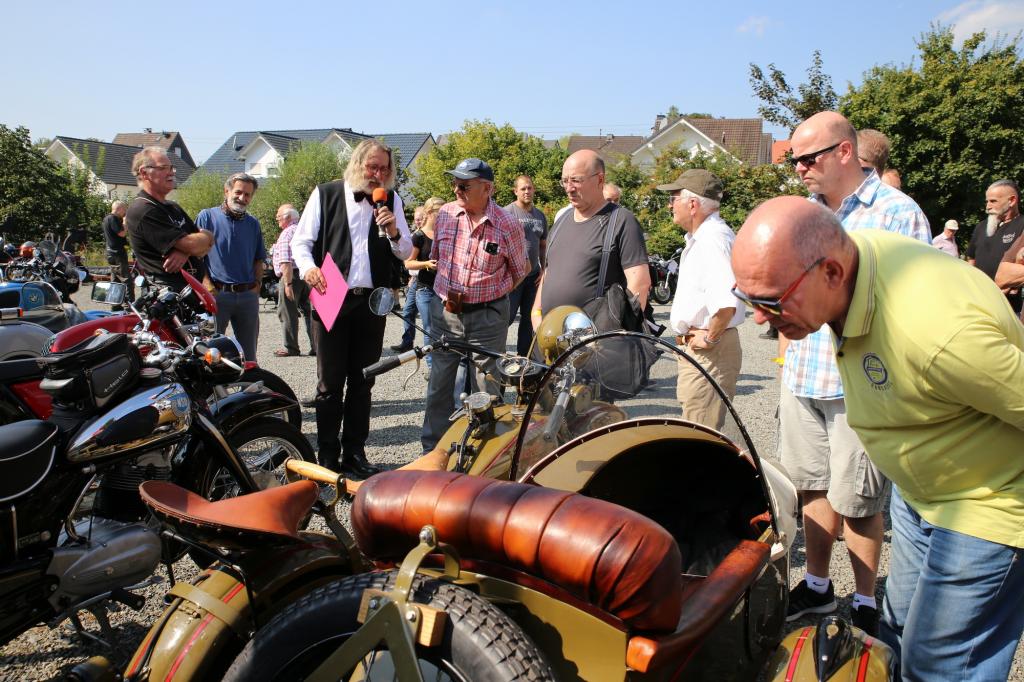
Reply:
x=946, y=240
x=705, y=313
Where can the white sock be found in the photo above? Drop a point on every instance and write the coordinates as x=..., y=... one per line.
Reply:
x=819, y=585
x=860, y=600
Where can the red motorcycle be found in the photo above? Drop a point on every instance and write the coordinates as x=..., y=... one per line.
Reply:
x=175, y=318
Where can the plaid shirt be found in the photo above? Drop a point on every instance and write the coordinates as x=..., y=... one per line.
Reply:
x=810, y=369
x=281, y=251
x=463, y=261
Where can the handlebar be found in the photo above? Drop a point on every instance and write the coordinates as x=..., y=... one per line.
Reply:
x=388, y=364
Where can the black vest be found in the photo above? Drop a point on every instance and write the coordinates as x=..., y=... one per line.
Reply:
x=334, y=236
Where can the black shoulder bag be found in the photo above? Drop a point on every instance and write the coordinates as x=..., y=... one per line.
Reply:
x=614, y=308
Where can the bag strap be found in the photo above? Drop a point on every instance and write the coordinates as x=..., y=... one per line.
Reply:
x=606, y=249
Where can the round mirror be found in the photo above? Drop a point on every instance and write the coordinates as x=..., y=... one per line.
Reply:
x=382, y=300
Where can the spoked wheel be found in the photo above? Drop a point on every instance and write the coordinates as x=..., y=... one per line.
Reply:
x=480, y=643
x=661, y=292
x=263, y=445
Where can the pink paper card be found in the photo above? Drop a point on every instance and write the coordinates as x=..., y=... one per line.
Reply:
x=328, y=304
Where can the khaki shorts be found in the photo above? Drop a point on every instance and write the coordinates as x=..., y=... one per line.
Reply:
x=821, y=452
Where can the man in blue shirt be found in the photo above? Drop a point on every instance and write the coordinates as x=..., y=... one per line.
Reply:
x=235, y=263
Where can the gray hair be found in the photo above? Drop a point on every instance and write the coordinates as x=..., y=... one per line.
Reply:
x=144, y=157
x=873, y=148
x=117, y=204
x=292, y=213
x=354, y=170
x=241, y=177
x=1007, y=183
x=708, y=206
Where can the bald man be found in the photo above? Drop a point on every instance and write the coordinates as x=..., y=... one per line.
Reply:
x=841, y=491
x=576, y=239
x=941, y=419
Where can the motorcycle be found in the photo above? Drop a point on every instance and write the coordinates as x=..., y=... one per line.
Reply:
x=46, y=263
x=41, y=304
x=601, y=434
x=125, y=408
x=270, y=282
x=661, y=290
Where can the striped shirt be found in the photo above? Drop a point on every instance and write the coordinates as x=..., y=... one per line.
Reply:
x=810, y=370
x=484, y=262
x=281, y=251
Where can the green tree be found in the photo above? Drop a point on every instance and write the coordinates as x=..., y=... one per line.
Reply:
x=953, y=118
x=508, y=152
x=784, y=108
x=202, y=190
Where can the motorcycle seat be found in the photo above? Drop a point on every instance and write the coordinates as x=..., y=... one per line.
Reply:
x=14, y=371
x=29, y=450
x=267, y=516
x=603, y=554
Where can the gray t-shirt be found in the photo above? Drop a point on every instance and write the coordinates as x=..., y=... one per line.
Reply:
x=574, y=255
x=535, y=228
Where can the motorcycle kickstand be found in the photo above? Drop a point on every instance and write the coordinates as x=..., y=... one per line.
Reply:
x=106, y=639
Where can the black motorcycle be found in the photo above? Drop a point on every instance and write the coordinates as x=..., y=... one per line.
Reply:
x=661, y=290
x=46, y=264
x=126, y=408
x=270, y=282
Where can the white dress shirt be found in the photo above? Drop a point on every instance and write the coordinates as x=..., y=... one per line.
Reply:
x=705, y=278
x=359, y=216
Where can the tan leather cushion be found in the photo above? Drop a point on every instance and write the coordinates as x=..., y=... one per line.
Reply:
x=606, y=555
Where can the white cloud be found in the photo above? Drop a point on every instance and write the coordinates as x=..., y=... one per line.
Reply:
x=992, y=16
x=755, y=25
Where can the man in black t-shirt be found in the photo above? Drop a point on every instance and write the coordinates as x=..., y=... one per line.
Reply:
x=576, y=239
x=115, y=237
x=162, y=235
x=993, y=236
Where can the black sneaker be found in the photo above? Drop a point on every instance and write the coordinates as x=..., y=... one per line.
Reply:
x=804, y=600
x=866, y=618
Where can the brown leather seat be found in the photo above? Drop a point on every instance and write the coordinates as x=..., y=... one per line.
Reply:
x=274, y=512
x=606, y=555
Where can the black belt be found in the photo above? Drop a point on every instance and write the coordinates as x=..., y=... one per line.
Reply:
x=360, y=291
x=233, y=288
x=469, y=307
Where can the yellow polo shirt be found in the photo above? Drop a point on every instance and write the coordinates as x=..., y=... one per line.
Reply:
x=932, y=360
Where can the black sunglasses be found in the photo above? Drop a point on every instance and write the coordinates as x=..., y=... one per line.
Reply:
x=808, y=160
x=461, y=186
x=773, y=306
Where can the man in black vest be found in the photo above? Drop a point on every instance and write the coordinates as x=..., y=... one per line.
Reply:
x=341, y=222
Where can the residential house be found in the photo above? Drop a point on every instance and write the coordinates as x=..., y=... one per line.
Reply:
x=611, y=148
x=170, y=141
x=741, y=138
x=109, y=164
x=780, y=148
x=260, y=152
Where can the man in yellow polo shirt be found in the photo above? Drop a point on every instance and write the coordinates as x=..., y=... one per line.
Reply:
x=932, y=360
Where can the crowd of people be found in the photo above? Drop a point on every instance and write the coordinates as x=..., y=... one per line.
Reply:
x=897, y=362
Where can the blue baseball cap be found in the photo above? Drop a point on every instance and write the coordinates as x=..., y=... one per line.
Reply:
x=470, y=169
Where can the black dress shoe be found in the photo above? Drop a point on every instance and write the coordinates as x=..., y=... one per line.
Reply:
x=308, y=402
x=357, y=467
x=399, y=348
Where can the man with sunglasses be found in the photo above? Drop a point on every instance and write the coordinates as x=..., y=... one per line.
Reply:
x=944, y=421
x=163, y=237
x=705, y=313
x=481, y=257
x=842, y=492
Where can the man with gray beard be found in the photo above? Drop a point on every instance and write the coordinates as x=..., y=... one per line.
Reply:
x=993, y=236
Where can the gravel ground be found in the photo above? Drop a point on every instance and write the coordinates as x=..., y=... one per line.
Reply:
x=43, y=654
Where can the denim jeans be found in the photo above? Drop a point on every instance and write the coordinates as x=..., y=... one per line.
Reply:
x=954, y=604
x=521, y=302
x=422, y=300
x=242, y=311
x=409, y=313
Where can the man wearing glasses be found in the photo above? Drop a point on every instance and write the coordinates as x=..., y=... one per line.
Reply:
x=162, y=235
x=341, y=222
x=481, y=257
x=942, y=419
x=705, y=313
x=841, y=490
x=577, y=237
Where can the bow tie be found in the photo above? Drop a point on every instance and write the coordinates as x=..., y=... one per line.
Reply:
x=363, y=196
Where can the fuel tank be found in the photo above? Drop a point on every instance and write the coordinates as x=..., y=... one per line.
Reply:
x=152, y=416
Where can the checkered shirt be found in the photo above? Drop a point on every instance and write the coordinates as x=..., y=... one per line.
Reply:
x=810, y=369
x=463, y=262
x=281, y=251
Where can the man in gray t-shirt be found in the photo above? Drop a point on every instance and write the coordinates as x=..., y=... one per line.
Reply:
x=535, y=229
x=574, y=247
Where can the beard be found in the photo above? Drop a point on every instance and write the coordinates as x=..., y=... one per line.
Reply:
x=991, y=224
x=238, y=207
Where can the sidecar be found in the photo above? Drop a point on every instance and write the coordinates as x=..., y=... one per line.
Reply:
x=41, y=304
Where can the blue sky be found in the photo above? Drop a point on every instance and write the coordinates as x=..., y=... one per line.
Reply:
x=550, y=68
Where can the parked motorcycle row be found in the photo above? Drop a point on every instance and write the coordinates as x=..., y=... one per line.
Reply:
x=578, y=529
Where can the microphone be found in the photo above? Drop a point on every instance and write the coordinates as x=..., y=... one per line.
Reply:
x=380, y=197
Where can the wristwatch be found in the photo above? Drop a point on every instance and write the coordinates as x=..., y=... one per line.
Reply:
x=398, y=235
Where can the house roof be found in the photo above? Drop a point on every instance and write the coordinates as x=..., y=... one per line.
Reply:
x=165, y=139
x=116, y=166
x=226, y=159
x=608, y=146
x=779, y=150
x=741, y=137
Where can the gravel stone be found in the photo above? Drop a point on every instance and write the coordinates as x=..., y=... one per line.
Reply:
x=395, y=427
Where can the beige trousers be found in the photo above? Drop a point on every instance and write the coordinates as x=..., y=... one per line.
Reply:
x=699, y=400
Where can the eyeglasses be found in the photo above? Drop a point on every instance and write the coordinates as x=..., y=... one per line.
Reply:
x=673, y=198
x=575, y=181
x=774, y=306
x=163, y=167
x=461, y=187
x=374, y=169
x=808, y=160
